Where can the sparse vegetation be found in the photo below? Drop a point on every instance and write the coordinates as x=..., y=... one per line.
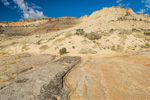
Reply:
x=62, y=51
x=135, y=30
x=44, y=47
x=73, y=47
x=5, y=46
x=93, y=36
x=112, y=30
x=137, y=35
x=25, y=47
x=140, y=19
x=87, y=50
x=62, y=39
x=1, y=31
x=80, y=32
x=127, y=32
x=145, y=46
x=85, y=42
x=147, y=33
x=39, y=42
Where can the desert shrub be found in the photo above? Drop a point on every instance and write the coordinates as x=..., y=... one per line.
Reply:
x=73, y=47
x=87, y=50
x=14, y=43
x=112, y=30
x=1, y=31
x=25, y=47
x=62, y=51
x=2, y=47
x=61, y=39
x=147, y=33
x=145, y=46
x=93, y=36
x=39, y=42
x=80, y=32
x=126, y=32
x=135, y=30
x=140, y=19
x=44, y=47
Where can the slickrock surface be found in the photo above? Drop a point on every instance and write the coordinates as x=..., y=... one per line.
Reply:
x=13, y=65
x=44, y=82
x=115, y=78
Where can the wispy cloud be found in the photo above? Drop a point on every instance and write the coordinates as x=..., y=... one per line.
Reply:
x=118, y=1
x=141, y=11
x=146, y=9
x=6, y=3
x=29, y=12
x=147, y=3
x=120, y=4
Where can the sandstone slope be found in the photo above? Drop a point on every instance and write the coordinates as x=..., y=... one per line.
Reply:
x=113, y=78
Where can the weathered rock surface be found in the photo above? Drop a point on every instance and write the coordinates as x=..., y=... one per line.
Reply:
x=13, y=65
x=42, y=83
x=115, y=78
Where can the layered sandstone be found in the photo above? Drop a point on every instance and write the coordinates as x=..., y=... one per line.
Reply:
x=113, y=78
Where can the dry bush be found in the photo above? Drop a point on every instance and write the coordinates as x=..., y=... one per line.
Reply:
x=93, y=36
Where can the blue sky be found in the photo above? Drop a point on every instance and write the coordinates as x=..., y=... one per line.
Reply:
x=15, y=10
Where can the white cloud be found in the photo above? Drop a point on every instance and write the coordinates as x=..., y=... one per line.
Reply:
x=142, y=11
x=6, y=3
x=121, y=4
x=118, y=1
x=124, y=5
x=147, y=3
x=147, y=7
x=28, y=12
x=146, y=14
x=35, y=6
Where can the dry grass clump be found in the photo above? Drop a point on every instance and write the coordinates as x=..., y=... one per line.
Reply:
x=93, y=36
x=90, y=36
x=80, y=32
x=145, y=46
x=87, y=50
x=44, y=47
x=25, y=47
x=147, y=33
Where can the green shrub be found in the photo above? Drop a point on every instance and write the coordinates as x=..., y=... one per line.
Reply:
x=62, y=51
x=140, y=19
x=135, y=30
x=147, y=33
x=80, y=32
x=93, y=36
x=73, y=47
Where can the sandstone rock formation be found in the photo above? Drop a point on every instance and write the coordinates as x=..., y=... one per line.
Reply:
x=42, y=83
x=113, y=78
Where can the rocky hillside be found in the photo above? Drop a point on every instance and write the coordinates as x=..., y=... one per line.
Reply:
x=37, y=26
x=111, y=30
x=104, y=56
x=115, y=18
